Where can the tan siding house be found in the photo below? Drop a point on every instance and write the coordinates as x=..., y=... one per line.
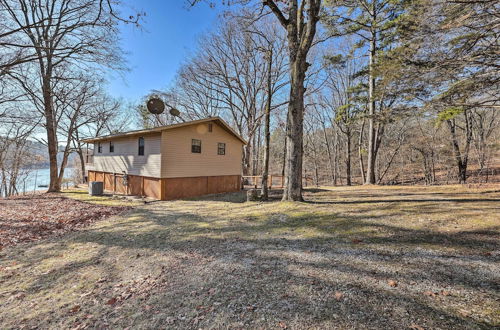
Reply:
x=178, y=161
x=181, y=160
x=124, y=158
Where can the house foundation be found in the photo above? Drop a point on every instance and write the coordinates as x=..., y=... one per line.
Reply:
x=166, y=188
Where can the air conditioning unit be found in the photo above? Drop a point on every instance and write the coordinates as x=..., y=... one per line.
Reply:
x=96, y=188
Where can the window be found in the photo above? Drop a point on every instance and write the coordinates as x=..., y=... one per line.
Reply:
x=99, y=147
x=141, y=146
x=111, y=147
x=221, y=148
x=196, y=146
x=210, y=127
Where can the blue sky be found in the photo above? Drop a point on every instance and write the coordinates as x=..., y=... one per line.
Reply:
x=155, y=51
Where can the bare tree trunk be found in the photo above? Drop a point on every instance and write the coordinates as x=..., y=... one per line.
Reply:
x=461, y=158
x=316, y=174
x=252, y=155
x=78, y=147
x=336, y=159
x=258, y=149
x=348, y=157
x=295, y=119
x=300, y=26
x=433, y=167
x=360, y=151
x=64, y=163
x=329, y=152
x=370, y=171
x=338, y=153
x=52, y=143
x=82, y=163
x=247, y=158
x=284, y=152
x=267, y=133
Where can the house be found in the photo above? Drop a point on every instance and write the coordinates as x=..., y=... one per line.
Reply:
x=181, y=160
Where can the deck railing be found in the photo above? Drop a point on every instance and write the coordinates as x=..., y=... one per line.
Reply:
x=255, y=181
x=273, y=181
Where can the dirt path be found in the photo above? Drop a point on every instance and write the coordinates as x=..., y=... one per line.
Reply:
x=394, y=257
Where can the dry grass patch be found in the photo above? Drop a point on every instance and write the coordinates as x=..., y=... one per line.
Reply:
x=106, y=200
x=362, y=257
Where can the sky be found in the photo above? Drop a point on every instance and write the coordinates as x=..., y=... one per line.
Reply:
x=168, y=35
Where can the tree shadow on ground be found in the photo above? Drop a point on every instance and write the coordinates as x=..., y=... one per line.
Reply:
x=235, y=267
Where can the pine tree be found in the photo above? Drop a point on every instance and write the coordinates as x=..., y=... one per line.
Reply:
x=374, y=24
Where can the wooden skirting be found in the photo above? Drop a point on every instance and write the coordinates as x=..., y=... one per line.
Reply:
x=167, y=188
x=175, y=188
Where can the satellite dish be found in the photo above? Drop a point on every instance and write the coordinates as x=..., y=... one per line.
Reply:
x=155, y=105
x=174, y=112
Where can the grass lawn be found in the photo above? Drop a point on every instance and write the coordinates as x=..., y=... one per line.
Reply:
x=360, y=257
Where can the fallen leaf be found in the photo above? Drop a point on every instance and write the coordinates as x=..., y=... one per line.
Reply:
x=282, y=325
x=392, y=283
x=75, y=309
x=339, y=295
x=111, y=301
x=357, y=241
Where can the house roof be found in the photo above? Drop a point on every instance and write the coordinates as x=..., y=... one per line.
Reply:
x=163, y=128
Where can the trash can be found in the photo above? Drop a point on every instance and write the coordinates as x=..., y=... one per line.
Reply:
x=96, y=188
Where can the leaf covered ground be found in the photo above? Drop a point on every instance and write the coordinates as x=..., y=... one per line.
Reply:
x=360, y=257
x=32, y=217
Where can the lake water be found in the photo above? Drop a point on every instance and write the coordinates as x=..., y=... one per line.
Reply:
x=38, y=177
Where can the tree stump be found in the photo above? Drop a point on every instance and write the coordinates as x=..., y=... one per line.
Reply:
x=252, y=195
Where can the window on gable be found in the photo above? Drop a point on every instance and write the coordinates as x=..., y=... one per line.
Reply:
x=196, y=146
x=210, y=128
x=141, y=146
x=99, y=147
x=221, y=148
x=111, y=146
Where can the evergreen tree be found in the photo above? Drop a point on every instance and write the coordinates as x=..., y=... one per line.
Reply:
x=374, y=23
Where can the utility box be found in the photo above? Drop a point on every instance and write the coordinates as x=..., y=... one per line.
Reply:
x=96, y=188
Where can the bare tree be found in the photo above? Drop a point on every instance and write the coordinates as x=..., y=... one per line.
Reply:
x=485, y=123
x=270, y=41
x=229, y=76
x=299, y=19
x=341, y=83
x=15, y=157
x=65, y=36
